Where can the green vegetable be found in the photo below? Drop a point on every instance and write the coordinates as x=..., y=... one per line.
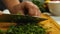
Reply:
x=26, y=29
x=40, y=4
x=2, y=32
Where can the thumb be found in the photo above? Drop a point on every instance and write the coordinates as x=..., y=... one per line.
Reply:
x=1, y=12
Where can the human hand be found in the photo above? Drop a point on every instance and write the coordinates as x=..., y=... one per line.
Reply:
x=33, y=10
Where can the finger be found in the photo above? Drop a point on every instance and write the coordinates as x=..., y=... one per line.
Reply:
x=33, y=9
x=17, y=9
x=1, y=12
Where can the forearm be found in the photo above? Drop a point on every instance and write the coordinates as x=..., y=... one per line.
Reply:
x=11, y=3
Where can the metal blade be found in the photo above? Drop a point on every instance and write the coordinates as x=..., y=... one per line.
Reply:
x=19, y=18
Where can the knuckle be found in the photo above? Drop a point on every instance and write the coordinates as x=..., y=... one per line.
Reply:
x=27, y=2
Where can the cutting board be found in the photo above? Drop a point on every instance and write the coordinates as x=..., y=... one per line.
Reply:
x=50, y=25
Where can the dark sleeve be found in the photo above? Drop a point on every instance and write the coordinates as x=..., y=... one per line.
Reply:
x=2, y=6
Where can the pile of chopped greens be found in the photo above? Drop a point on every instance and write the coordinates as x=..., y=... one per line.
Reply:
x=25, y=29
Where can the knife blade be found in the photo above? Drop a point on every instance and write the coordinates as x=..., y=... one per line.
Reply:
x=19, y=18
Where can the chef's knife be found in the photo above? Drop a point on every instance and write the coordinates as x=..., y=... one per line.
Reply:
x=19, y=18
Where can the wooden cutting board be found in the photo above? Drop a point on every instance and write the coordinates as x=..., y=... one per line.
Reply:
x=50, y=25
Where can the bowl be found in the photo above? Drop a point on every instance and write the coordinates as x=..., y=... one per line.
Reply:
x=54, y=7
